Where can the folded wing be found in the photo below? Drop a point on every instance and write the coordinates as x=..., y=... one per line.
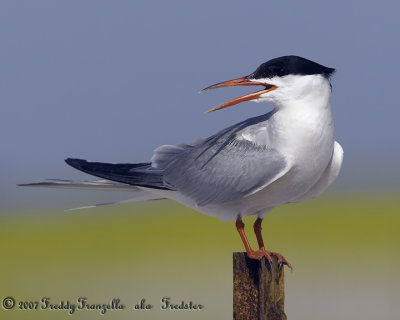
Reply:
x=216, y=170
x=138, y=174
x=221, y=168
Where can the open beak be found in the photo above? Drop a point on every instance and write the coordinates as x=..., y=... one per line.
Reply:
x=239, y=82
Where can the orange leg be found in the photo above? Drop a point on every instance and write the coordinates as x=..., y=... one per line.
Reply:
x=257, y=231
x=261, y=252
x=250, y=252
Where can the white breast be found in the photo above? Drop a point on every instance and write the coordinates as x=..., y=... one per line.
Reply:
x=302, y=130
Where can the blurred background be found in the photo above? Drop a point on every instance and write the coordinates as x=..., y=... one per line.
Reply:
x=111, y=81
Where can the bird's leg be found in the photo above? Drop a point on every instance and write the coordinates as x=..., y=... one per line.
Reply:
x=257, y=231
x=250, y=252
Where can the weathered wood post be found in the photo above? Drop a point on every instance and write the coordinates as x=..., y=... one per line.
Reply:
x=258, y=292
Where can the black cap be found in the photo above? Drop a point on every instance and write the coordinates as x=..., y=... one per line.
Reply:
x=286, y=65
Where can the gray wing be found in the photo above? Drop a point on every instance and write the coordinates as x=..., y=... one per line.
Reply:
x=221, y=168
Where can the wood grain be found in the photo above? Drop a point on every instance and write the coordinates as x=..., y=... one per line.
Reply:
x=258, y=289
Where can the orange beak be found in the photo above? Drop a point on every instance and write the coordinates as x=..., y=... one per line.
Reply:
x=239, y=82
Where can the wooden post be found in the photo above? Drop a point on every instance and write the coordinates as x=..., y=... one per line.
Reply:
x=258, y=292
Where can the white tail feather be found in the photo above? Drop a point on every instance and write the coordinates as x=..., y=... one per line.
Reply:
x=88, y=185
x=139, y=194
x=142, y=197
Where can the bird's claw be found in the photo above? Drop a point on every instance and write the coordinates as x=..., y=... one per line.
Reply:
x=260, y=253
x=281, y=260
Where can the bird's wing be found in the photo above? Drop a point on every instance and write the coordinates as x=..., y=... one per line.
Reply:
x=221, y=168
x=136, y=174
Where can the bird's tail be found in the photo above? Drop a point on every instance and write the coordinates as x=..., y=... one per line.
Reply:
x=138, y=193
x=87, y=185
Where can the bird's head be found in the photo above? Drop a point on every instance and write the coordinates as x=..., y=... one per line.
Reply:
x=283, y=78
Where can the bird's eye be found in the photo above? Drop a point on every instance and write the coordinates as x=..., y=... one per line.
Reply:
x=278, y=71
x=281, y=72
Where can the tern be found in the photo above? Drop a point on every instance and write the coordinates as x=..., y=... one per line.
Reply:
x=286, y=155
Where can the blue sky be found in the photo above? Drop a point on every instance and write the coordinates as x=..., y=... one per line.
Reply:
x=112, y=80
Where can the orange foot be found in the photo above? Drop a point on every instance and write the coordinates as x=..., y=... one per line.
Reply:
x=281, y=260
x=260, y=253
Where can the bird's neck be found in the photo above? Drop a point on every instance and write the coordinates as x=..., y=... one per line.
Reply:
x=304, y=124
x=307, y=101
x=306, y=93
x=306, y=108
x=301, y=121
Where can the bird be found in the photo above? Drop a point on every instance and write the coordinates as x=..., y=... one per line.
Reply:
x=286, y=155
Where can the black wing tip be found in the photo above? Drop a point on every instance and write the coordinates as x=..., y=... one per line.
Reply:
x=75, y=162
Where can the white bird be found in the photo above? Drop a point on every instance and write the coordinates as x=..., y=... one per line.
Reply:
x=286, y=155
